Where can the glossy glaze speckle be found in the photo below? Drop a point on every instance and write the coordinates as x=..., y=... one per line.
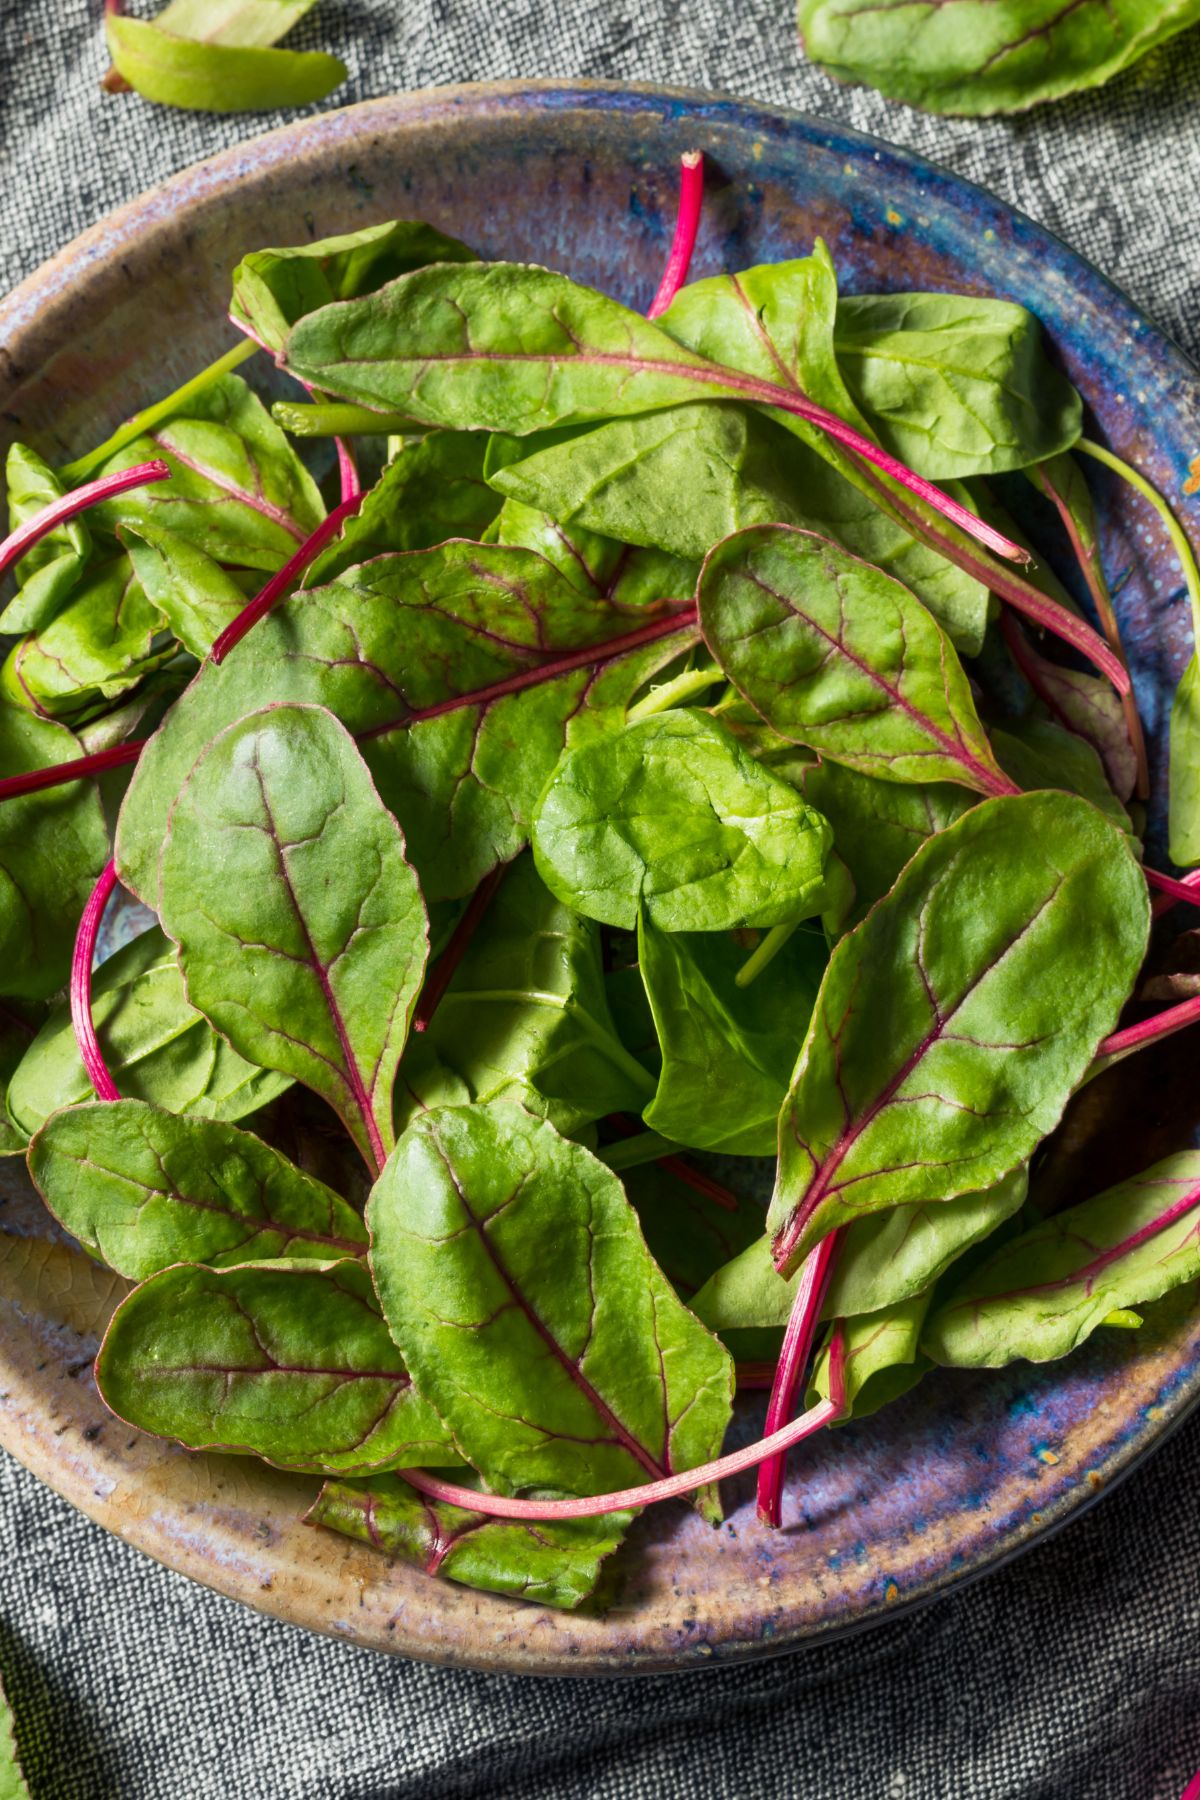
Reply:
x=967, y=1470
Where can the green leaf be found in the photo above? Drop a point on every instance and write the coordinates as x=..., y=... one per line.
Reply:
x=525, y=1019
x=142, y=1189
x=185, y=586
x=995, y=968
x=239, y=22
x=301, y=932
x=53, y=846
x=883, y=1358
x=237, y=488
x=673, y=815
x=727, y=1052
x=877, y=825
x=432, y=490
x=555, y=1562
x=288, y=1361
x=1184, y=778
x=100, y=644
x=1037, y=753
x=577, y=1370
x=1043, y=1294
x=12, y=1787
x=157, y=1047
x=596, y=564
x=688, y=1232
x=837, y=655
x=953, y=384
x=215, y=77
x=18, y=1028
x=977, y=57
x=47, y=573
x=1089, y=706
x=273, y=289
x=624, y=478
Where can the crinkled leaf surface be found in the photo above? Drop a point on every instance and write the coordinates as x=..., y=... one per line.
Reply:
x=954, y=384
x=985, y=56
x=101, y=643
x=288, y=1361
x=301, y=931
x=1045, y=1292
x=839, y=656
x=53, y=846
x=272, y=289
x=45, y=574
x=142, y=1189
x=237, y=488
x=216, y=77
x=878, y=825
x=194, y=594
x=727, y=1052
x=555, y=1562
x=577, y=1370
x=954, y=1023
x=673, y=815
x=157, y=1047
x=883, y=1358
x=525, y=1019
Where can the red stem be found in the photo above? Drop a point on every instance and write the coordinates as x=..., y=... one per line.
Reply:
x=1149, y=1031
x=13, y=786
x=687, y=221
x=1192, y=1790
x=18, y=542
x=348, y=472
x=279, y=583
x=81, y=986
x=793, y=1361
x=672, y=1487
x=456, y=949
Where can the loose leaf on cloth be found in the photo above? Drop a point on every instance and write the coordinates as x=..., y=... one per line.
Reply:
x=273, y=289
x=554, y=1564
x=156, y=1046
x=955, y=385
x=884, y=1260
x=216, y=77
x=241, y=22
x=12, y=1787
x=53, y=846
x=288, y=1361
x=877, y=825
x=237, y=488
x=727, y=1051
x=1044, y=1293
x=301, y=931
x=525, y=1019
x=883, y=1358
x=995, y=968
x=431, y=490
x=142, y=1189
x=101, y=643
x=624, y=479
x=577, y=1370
x=675, y=816
x=837, y=655
x=194, y=594
x=47, y=573
x=980, y=57
x=415, y=634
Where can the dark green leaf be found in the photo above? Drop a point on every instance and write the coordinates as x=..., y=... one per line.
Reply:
x=688, y=1232
x=47, y=573
x=216, y=77
x=142, y=1189
x=883, y=1358
x=18, y=1028
x=288, y=1361
x=300, y=926
x=1037, y=753
x=877, y=825
x=579, y=1370
x=1184, y=783
x=555, y=1563
x=105, y=639
x=185, y=586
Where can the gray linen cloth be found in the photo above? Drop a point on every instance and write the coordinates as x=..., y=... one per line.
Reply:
x=1074, y=1674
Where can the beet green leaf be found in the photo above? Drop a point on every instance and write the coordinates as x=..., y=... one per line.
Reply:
x=673, y=815
x=195, y=595
x=554, y=1562
x=47, y=573
x=690, y=1232
x=955, y=1021
x=877, y=825
x=18, y=1028
x=301, y=931
x=577, y=1370
x=288, y=1361
x=142, y=1189
x=525, y=1019
x=101, y=643
x=883, y=1358
x=1038, y=753
x=837, y=655
x=727, y=1052
x=157, y=1047
x=1043, y=1293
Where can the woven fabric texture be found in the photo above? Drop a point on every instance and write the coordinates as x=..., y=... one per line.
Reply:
x=1073, y=1675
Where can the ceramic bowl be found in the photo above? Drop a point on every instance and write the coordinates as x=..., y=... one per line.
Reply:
x=968, y=1470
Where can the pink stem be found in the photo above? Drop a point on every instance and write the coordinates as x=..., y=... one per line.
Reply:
x=1192, y=1790
x=1149, y=1031
x=18, y=542
x=347, y=471
x=793, y=1361
x=691, y=198
x=81, y=986
x=279, y=583
x=1163, y=903
x=456, y=949
x=13, y=786
x=1172, y=888
x=672, y=1487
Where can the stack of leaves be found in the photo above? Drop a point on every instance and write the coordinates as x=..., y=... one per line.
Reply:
x=637, y=768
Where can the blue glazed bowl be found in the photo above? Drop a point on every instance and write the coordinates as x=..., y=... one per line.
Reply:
x=969, y=1469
